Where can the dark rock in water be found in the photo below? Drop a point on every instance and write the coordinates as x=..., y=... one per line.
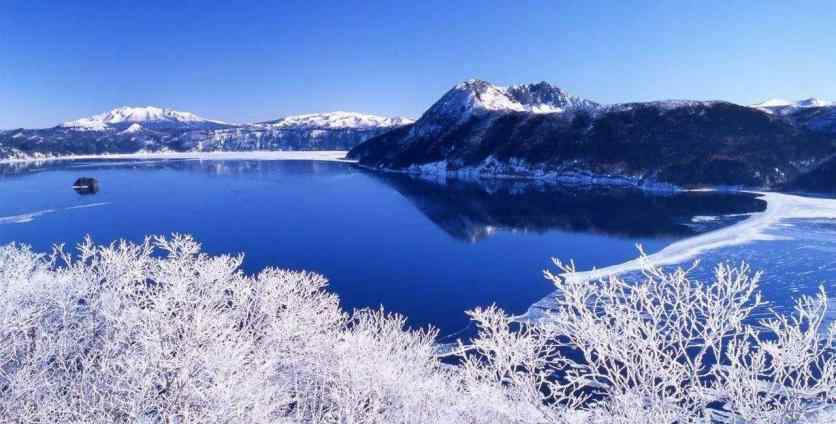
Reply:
x=86, y=185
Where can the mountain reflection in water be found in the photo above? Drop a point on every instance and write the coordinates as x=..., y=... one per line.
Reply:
x=472, y=210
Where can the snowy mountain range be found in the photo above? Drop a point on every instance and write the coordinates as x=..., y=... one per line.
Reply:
x=478, y=129
x=130, y=129
x=337, y=120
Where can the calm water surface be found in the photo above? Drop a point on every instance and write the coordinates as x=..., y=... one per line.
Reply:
x=427, y=249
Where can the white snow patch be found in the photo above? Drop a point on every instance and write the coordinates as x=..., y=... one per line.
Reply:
x=24, y=218
x=779, y=207
x=318, y=155
x=29, y=217
x=773, y=103
x=88, y=205
x=702, y=218
x=134, y=128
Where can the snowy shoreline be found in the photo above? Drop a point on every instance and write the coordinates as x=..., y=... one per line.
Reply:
x=317, y=155
x=779, y=207
x=437, y=171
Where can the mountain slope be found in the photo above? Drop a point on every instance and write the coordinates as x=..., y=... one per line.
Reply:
x=685, y=143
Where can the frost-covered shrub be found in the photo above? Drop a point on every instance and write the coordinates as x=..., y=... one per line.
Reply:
x=670, y=349
x=161, y=332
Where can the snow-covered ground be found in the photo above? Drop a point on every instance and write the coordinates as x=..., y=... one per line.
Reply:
x=324, y=155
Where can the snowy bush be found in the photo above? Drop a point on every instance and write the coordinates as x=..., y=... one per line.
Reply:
x=160, y=332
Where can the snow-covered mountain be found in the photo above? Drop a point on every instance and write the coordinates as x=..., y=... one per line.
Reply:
x=786, y=107
x=337, y=120
x=476, y=96
x=478, y=128
x=148, y=116
x=129, y=129
x=320, y=131
x=540, y=131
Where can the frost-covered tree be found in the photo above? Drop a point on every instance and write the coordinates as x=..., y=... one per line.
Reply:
x=159, y=332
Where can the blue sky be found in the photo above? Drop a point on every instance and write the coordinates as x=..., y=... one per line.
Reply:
x=248, y=62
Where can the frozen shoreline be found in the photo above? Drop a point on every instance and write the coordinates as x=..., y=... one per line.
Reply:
x=318, y=155
x=779, y=207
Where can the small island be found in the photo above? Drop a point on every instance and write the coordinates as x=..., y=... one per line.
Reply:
x=86, y=185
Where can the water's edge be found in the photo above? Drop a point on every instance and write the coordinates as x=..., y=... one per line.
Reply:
x=316, y=155
x=780, y=206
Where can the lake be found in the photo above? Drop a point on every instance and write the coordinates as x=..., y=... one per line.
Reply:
x=429, y=249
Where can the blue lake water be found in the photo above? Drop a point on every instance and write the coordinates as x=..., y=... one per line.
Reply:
x=428, y=249
x=797, y=258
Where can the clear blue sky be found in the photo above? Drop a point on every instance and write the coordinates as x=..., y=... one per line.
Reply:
x=67, y=59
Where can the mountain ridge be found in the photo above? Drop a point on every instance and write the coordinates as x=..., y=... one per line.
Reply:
x=129, y=129
x=474, y=130
x=535, y=130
